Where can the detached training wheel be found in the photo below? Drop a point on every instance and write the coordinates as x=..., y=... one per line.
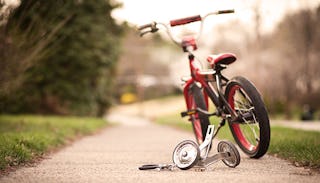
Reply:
x=186, y=154
x=233, y=158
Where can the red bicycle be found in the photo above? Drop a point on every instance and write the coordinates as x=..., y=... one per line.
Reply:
x=236, y=100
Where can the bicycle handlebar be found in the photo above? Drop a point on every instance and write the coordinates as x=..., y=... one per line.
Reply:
x=146, y=26
x=152, y=26
x=182, y=21
x=225, y=11
x=141, y=27
x=186, y=20
x=176, y=22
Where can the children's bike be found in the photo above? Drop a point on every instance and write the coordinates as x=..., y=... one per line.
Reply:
x=237, y=101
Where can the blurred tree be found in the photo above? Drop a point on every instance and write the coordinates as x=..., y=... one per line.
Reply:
x=287, y=57
x=65, y=53
x=25, y=39
x=296, y=39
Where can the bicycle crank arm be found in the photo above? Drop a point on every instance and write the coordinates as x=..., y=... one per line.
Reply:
x=205, y=112
x=213, y=159
x=241, y=118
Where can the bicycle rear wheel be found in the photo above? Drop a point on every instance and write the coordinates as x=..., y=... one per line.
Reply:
x=200, y=122
x=251, y=134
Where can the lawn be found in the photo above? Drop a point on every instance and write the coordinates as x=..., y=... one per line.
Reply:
x=298, y=146
x=24, y=137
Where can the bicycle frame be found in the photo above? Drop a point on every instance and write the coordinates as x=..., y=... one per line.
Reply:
x=217, y=97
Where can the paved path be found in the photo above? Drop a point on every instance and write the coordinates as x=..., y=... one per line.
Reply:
x=115, y=154
x=302, y=125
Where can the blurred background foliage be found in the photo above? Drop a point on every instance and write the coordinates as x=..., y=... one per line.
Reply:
x=58, y=57
x=71, y=57
x=144, y=68
x=283, y=64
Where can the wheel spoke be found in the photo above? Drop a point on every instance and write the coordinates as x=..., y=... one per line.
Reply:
x=251, y=133
x=244, y=109
x=242, y=104
x=250, y=128
x=245, y=96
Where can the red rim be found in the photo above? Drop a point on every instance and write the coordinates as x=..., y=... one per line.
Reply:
x=196, y=123
x=236, y=127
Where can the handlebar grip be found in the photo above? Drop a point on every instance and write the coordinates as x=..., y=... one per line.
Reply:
x=225, y=11
x=145, y=26
x=186, y=20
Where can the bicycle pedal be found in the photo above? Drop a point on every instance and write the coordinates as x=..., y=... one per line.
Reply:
x=187, y=113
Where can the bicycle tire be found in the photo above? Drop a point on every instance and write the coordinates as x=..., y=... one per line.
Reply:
x=234, y=157
x=200, y=122
x=188, y=147
x=257, y=146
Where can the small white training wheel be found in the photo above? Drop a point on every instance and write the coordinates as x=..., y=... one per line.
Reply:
x=186, y=154
x=233, y=158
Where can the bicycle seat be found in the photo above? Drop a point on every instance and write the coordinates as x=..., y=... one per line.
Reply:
x=223, y=58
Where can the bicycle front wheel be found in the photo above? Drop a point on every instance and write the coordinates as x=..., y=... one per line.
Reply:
x=200, y=122
x=251, y=134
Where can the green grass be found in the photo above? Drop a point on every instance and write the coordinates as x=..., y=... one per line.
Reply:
x=25, y=137
x=298, y=146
